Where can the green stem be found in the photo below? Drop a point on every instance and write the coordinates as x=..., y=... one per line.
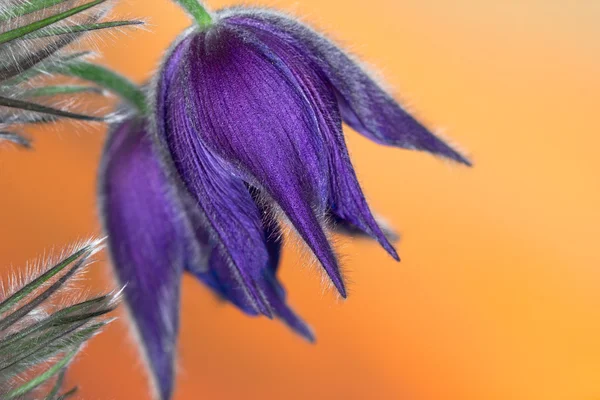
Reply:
x=198, y=12
x=106, y=79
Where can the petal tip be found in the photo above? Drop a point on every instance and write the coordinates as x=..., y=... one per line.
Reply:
x=335, y=277
x=263, y=306
x=341, y=290
x=390, y=249
x=463, y=160
x=452, y=153
x=309, y=336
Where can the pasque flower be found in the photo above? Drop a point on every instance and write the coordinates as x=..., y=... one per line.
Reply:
x=156, y=234
x=245, y=134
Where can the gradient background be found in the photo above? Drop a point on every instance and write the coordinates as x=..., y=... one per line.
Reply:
x=498, y=294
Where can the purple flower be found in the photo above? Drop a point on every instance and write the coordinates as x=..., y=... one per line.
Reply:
x=246, y=133
x=155, y=234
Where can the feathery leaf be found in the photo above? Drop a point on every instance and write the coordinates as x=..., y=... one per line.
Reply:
x=15, y=138
x=37, y=25
x=62, y=30
x=32, y=335
x=28, y=106
x=45, y=376
x=60, y=90
x=28, y=8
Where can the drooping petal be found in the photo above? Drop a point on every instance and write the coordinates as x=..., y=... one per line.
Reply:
x=347, y=228
x=228, y=210
x=147, y=245
x=220, y=279
x=364, y=104
x=274, y=290
x=346, y=200
x=233, y=115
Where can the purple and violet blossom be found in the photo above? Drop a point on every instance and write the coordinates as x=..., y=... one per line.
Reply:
x=245, y=133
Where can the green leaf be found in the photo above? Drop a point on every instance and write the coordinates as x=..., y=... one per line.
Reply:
x=15, y=138
x=22, y=345
x=39, y=281
x=42, y=378
x=37, y=25
x=33, y=342
x=84, y=311
x=27, y=118
x=106, y=79
x=47, y=91
x=28, y=106
x=55, y=342
x=27, y=308
x=28, y=8
x=62, y=30
x=23, y=58
x=44, y=67
x=57, y=385
x=68, y=394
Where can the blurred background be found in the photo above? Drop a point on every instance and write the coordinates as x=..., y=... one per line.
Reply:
x=497, y=296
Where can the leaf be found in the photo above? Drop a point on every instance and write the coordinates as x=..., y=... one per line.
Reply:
x=68, y=394
x=28, y=106
x=57, y=385
x=27, y=118
x=15, y=138
x=21, y=61
x=47, y=91
x=43, y=67
x=28, y=8
x=30, y=341
x=84, y=311
x=37, y=25
x=40, y=379
x=62, y=30
x=39, y=351
x=24, y=310
x=39, y=281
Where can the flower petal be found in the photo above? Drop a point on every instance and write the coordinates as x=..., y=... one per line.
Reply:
x=221, y=280
x=347, y=228
x=147, y=246
x=364, y=104
x=255, y=127
x=346, y=200
x=274, y=290
x=229, y=213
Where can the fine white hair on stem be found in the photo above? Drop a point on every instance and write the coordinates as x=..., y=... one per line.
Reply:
x=20, y=277
x=45, y=321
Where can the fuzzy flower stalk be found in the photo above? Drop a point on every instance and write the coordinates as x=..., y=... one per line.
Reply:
x=45, y=322
x=244, y=135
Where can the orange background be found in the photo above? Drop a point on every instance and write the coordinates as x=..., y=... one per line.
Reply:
x=498, y=294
